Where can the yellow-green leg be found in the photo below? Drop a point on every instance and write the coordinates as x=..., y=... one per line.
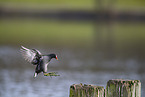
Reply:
x=51, y=74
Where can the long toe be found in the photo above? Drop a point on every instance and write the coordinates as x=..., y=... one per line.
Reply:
x=54, y=74
x=51, y=74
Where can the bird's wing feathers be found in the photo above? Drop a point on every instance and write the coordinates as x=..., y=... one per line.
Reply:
x=29, y=54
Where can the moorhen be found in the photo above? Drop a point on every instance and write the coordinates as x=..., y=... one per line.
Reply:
x=41, y=61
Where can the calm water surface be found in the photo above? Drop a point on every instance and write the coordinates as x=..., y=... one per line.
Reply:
x=74, y=66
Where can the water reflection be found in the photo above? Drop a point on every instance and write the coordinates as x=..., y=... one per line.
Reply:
x=74, y=66
x=120, y=40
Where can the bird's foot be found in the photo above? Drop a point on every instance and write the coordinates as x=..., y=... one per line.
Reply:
x=51, y=74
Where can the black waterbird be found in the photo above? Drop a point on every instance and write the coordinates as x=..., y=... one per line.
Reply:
x=41, y=61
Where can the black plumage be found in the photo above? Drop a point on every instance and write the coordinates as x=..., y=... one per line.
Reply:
x=41, y=61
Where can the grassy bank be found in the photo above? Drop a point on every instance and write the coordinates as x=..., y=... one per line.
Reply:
x=76, y=4
x=28, y=31
x=54, y=32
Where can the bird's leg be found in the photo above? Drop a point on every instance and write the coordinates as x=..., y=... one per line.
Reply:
x=35, y=74
x=51, y=74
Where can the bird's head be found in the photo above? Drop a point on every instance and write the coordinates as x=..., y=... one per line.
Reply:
x=53, y=56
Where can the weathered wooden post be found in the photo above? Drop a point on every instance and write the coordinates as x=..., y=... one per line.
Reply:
x=123, y=88
x=114, y=88
x=79, y=90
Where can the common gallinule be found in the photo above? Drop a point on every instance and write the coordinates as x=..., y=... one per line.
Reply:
x=41, y=61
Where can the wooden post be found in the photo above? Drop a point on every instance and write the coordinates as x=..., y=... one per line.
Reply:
x=123, y=88
x=114, y=88
x=79, y=90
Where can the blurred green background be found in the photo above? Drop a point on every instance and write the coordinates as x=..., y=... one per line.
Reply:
x=77, y=4
x=30, y=30
x=29, y=22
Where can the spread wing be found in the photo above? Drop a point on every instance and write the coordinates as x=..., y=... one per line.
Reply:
x=30, y=54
